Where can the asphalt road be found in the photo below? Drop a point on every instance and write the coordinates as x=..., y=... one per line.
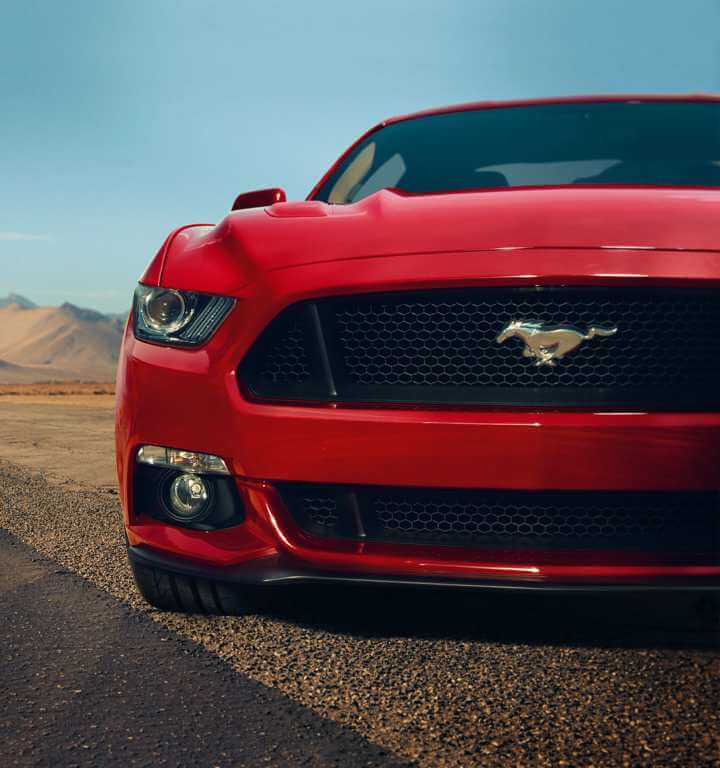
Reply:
x=87, y=681
x=434, y=679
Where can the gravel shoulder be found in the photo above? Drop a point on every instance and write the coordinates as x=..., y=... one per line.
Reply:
x=438, y=679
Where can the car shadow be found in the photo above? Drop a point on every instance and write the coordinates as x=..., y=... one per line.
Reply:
x=536, y=619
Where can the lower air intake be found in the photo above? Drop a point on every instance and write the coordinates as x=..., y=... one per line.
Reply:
x=485, y=519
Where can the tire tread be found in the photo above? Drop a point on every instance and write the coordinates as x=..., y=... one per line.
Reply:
x=183, y=594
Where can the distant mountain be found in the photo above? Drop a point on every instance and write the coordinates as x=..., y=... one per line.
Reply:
x=91, y=315
x=119, y=318
x=17, y=299
x=56, y=343
x=5, y=366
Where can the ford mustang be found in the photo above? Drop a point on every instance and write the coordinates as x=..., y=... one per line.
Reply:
x=484, y=352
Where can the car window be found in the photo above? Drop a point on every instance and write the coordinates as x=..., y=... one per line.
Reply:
x=387, y=175
x=638, y=143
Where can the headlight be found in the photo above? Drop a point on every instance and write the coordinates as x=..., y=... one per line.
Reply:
x=167, y=316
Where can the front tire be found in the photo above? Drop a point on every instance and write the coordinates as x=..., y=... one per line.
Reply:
x=169, y=591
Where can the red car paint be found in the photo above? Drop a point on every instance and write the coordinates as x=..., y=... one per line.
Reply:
x=270, y=258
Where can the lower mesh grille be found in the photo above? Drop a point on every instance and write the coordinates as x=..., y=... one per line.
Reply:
x=641, y=521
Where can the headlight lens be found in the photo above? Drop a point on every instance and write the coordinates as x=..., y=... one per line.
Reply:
x=182, y=318
x=166, y=311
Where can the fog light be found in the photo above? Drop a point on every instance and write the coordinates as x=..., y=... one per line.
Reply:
x=190, y=461
x=189, y=498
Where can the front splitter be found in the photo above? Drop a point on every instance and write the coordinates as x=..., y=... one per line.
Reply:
x=270, y=572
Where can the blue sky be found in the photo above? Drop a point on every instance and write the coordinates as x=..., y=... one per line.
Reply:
x=120, y=119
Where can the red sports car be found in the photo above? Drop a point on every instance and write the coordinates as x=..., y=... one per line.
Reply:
x=484, y=352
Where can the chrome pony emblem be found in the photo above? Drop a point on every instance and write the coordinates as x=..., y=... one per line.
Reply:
x=548, y=343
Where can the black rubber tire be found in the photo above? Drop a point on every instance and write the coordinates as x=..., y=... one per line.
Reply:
x=707, y=610
x=182, y=594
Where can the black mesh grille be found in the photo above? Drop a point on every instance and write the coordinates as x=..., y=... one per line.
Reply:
x=453, y=342
x=321, y=512
x=287, y=360
x=441, y=347
x=641, y=521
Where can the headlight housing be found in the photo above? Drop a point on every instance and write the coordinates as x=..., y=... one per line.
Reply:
x=180, y=318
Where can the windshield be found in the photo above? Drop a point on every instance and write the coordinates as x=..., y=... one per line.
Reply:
x=640, y=143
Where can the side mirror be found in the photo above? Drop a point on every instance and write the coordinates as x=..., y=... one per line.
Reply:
x=259, y=198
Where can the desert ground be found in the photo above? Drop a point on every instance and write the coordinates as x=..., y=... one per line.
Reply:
x=65, y=430
x=321, y=676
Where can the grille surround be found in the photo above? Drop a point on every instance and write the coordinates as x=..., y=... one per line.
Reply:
x=510, y=520
x=438, y=347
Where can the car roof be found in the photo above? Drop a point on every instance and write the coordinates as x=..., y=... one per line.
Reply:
x=620, y=97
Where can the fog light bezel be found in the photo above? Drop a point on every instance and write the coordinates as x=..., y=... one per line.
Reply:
x=151, y=501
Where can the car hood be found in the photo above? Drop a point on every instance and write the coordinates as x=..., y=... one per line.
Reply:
x=390, y=223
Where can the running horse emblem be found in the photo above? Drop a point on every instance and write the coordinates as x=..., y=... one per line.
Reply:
x=549, y=343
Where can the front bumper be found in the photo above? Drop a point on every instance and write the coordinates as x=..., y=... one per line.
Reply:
x=410, y=447
x=191, y=399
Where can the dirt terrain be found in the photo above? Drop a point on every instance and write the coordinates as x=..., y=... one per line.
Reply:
x=56, y=389
x=63, y=430
x=434, y=679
